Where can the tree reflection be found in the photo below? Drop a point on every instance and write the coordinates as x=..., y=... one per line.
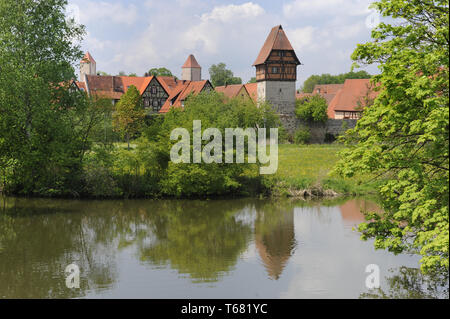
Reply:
x=201, y=239
x=45, y=240
x=410, y=283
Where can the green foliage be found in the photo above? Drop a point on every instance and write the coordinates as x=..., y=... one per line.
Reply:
x=160, y=72
x=129, y=115
x=312, y=109
x=221, y=76
x=313, y=80
x=44, y=124
x=302, y=135
x=252, y=80
x=216, y=112
x=404, y=135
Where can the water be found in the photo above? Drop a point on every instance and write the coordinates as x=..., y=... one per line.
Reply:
x=189, y=249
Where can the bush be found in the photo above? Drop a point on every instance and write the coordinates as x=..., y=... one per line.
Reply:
x=201, y=180
x=302, y=135
x=312, y=109
x=284, y=136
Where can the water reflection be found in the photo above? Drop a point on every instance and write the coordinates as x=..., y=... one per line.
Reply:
x=203, y=240
x=275, y=236
x=178, y=248
x=410, y=283
x=352, y=211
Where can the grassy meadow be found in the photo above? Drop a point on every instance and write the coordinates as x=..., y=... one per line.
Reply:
x=308, y=167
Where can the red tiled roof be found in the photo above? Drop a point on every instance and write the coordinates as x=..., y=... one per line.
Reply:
x=327, y=88
x=191, y=62
x=87, y=58
x=173, y=96
x=114, y=87
x=252, y=89
x=181, y=92
x=81, y=85
x=230, y=91
x=352, y=96
x=168, y=81
x=302, y=95
x=277, y=40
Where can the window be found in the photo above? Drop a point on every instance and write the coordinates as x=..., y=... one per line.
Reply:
x=281, y=53
x=155, y=105
x=275, y=70
x=154, y=90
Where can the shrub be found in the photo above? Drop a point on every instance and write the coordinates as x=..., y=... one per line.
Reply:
x=302, y=135
x=209, y=179
x=312, y=109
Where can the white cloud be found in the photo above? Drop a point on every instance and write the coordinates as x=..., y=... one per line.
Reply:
x=134, y=36
x=218, y=29
x=303, y=39
x=233, y=12
x=302, y=8
x=96, y=44
x=94, y=11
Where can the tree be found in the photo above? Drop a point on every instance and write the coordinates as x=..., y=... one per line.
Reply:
x=252, y=80
x=130, y=114
x=313, y=80
x=312, y=109
x=160, y=72
x=404, y=136
x=221, y=76
x=42, y=127
x=102, y=73
x=207, y=179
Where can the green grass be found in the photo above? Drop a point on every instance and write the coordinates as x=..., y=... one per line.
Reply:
x=303, y=167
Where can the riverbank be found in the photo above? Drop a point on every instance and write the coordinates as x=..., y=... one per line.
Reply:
x=304, y=171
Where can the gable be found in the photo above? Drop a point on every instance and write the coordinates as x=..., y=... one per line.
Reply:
x=278, y=41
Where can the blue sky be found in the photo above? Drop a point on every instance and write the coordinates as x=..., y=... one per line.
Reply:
x=134, y=36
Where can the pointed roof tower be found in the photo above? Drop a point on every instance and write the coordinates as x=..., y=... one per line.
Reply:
x=191, y=62
x=88, y=58
x=277, y=40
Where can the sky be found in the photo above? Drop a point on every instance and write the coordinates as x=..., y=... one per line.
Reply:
x=135, y=36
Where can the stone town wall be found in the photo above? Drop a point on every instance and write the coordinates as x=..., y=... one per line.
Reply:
x=320, y=132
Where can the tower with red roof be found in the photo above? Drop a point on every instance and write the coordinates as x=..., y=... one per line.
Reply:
x=191, y=70
x=276, y=75
x=88, y=66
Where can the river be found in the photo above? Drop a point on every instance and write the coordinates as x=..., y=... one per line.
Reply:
x=243, y=248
